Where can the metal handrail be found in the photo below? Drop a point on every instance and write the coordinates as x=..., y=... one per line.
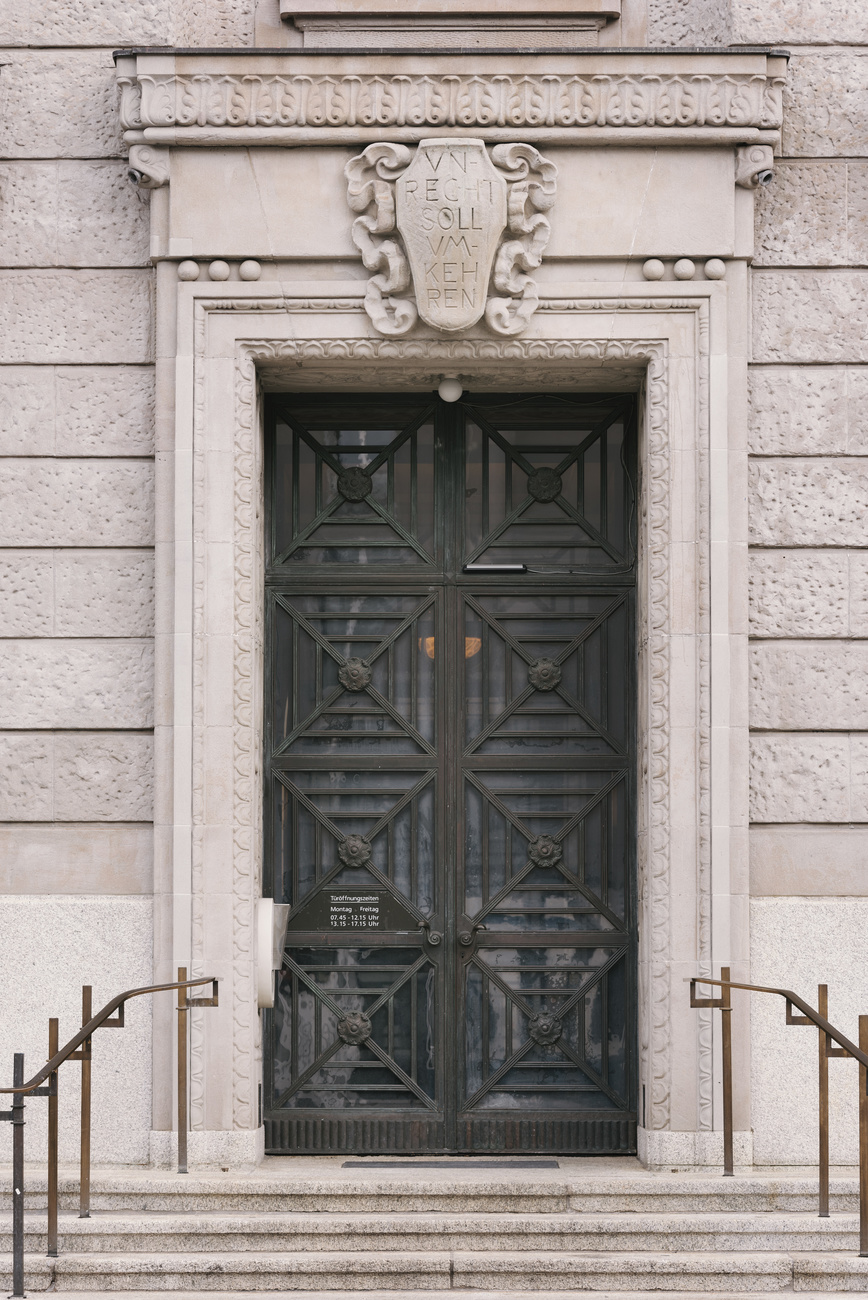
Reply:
x=104, y=1018
x=827, y=1035
x=79, y=1049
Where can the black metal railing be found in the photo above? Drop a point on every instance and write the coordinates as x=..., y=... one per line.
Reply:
x=80, y=1048
x=827, y=1035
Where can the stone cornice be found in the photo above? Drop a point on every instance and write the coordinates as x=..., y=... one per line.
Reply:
x=267, y=98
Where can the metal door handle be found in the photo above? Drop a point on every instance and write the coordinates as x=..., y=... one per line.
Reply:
x=434, y=937
x=466, y=937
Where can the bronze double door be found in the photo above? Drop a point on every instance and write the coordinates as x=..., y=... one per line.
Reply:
x=450, y=757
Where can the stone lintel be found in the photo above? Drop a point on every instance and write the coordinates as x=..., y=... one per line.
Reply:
x=280, y=98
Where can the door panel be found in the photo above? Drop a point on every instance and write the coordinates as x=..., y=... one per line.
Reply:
x=451, y=775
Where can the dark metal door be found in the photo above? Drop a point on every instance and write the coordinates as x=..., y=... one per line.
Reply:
x=450, y=799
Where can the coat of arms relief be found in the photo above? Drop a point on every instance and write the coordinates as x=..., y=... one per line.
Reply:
x=451, y=232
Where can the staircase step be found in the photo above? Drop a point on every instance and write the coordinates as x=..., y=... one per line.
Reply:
x=109, y=1232
x=345, y=1192
x=507, y=1271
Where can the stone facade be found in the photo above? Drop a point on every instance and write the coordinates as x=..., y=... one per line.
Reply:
x=129, y=484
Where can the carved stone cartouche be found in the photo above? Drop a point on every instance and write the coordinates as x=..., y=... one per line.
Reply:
x=451, y=232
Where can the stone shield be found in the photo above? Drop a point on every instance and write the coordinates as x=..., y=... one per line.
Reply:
x=451, y=214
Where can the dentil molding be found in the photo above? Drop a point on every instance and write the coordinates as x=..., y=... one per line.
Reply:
x=212, y=99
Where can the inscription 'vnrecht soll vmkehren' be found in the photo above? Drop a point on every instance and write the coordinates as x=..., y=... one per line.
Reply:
x=451, y=211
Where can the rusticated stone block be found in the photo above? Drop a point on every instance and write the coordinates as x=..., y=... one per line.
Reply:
x=26, y=593
x=26, y=777
x=104, y=593
x=77, y=411
x=103, y=778
x=71, y=214
x=804, y=22
x=857, y=213
x=80, y=22
x=687, y=22
x=58, y=317
x=76, y=593
x=805, y=316
x=826, y=103
x=66, y=684
x=798, y=777
x=858, y=569
x=105, y=411
x=799, y=502
x=809, y=685
x=59, y=105
x=798, y=409
x=801, y=218
x=76, y=503
x=224, y=23
x=27, y=410
x=799, y=594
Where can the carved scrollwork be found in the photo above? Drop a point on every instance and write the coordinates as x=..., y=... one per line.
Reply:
x=532, y=188
x=355, y=675
x=355, y=851
x=371, y=191
x=149, y=167
x=461, y=217
x=354, y=1028
x=754, y=165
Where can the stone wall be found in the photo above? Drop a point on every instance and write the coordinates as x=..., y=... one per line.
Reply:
x=809, y=565
x=77, y=535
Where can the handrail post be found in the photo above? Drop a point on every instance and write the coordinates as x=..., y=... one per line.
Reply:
x=823, y=1008
x=182, y=1072
x=53, y=1047
x=86, y=1057
x=863, y=1141
x=18, y=1177
x=726, y=1036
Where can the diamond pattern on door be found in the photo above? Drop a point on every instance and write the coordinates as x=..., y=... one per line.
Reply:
x=356, y=1028
x=349, y=495
x=544, y=1028
x=353, y=675
x=545, y=486
x=548, y=675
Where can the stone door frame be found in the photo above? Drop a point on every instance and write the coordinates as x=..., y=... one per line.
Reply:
x=683, y=350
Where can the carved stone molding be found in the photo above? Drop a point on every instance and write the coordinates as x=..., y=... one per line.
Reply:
x=460, y=225
x=663, y=91
x=341, y=356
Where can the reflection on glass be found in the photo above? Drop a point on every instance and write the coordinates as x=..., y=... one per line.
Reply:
x=545, y=1029
x=553, y=493
x=353, y=496
x=315, y=1068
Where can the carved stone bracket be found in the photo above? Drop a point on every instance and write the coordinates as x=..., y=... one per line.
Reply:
x=149, y=167
x=754, y=165
x=462, y=226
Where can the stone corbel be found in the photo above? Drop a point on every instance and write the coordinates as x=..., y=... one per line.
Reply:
x=754, y=165
x=149, y=167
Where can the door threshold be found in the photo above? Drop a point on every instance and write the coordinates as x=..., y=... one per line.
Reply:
x=451, y=1162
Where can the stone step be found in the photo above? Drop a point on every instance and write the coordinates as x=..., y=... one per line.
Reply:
x=472, y=1193
x=454, y=1294
x=109, y=1232
x=508, y=1271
